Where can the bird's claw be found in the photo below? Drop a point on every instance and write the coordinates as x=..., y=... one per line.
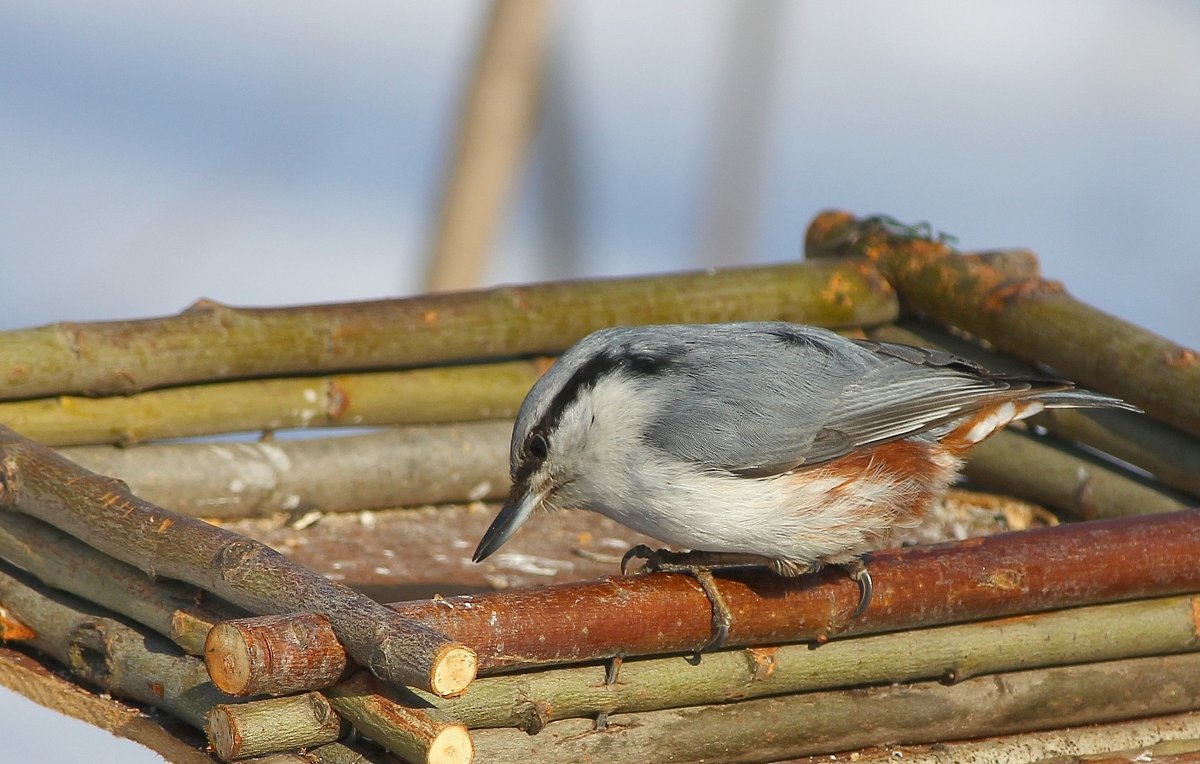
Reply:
x=664, y=560
x=857, y=570
x=640, y=552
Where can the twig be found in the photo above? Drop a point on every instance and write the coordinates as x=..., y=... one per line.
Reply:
x=401, y=722
x=456, y=393
x=211, y=341
x=1005, y=574
x=119, y=659
x=396, y=467
x=530, y=700
x=100, y=511
x=170, y=608
x=1032, y=318
x=274, y=655
x=770, y=729
x=498, y=119
x=109, y=654
x=242, y=730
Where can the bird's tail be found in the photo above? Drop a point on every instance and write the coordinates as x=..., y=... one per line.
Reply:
x=1083, y=399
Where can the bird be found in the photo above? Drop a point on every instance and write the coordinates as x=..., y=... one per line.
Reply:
x=767, y=443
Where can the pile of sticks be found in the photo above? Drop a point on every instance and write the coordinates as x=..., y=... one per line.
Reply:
x=986, y=648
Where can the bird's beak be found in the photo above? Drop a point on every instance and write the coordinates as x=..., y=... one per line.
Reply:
x=521, y=503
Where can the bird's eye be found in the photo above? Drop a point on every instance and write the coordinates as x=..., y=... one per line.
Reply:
x=536, y=446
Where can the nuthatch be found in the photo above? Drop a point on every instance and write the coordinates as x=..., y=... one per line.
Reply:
x=771, y=442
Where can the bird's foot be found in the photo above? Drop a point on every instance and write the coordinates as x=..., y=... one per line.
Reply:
x=855, y=568
x=699, y=566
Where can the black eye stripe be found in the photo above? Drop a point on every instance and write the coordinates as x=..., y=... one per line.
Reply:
x=643, y=362
x=638, y=362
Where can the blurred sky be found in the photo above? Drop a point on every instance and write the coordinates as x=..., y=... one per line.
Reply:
x=279, y=152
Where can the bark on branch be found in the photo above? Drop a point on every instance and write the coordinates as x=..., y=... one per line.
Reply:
x=453, y=463
x=995, y=576
x=532, y=699
x=126, y=662
x=417, y=396
x=1030, y=318
x=770, y=729
x=57, y=559
x=1054, y=473
x=241, y=730
x=210, y=341
x=1172, y=739
x=109, y=654
x=36, y=481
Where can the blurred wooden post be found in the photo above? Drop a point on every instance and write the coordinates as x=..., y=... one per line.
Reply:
x=497, y=119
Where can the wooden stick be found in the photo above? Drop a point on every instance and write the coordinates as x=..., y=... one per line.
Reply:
x=497, y=122
x=278, y=655
x=396, y=467
x=1005, y=574
x=769, y=729
x=1030, y=318
x=999, y=576
x=1053, y=473
x=1171, y=455
x=119, y=659
x=401, y=722
x=170, y=608
x=488, y=391
x=211, y=341
x=242, y=730
x=530, y=700
x=100, y=511
x=107, y=653
x=1157, y=737
x=274, y=655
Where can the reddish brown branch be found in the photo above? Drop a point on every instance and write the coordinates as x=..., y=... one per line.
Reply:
x=991, y=577
x=1006, y=574
x=274, y=655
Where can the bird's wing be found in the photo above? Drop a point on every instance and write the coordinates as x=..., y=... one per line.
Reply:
x=813, y=396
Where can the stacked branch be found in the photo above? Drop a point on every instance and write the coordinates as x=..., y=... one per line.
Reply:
x=105, y=652
x=1030, y=318
x=453, y=358
x=403, y=466
x=210, y=342
x=101, y=512
x=996, y=576
x=1115, y=649
x=775, y=728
